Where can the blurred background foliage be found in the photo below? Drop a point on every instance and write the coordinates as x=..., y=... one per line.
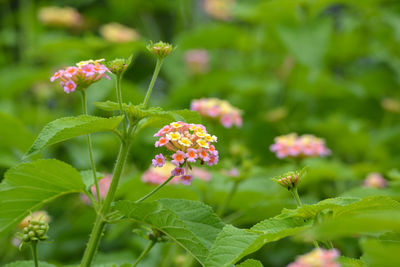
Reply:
x=329, y=68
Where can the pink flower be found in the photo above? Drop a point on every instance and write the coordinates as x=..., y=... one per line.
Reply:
x=317, y=258
x=303, y=146
x=88, y=69
x=159, y=175
x=191, y=155
x=57, y=75
x=70, y=71
x=376, y=180
x=213, y=160
x=201, y=174
x=159, y=160
x=82, y=76
x=179, y=158
x=178, y=171
x=69, y=86
x=162, y=142
x=186, y=179
x=218, y=109
x=227, y=121
x=203, y=154
x=197, y=61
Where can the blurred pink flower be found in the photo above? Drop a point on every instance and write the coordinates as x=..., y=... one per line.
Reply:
x=221, y=110
x=197, y=61
x=154, y=175
x=375, y=179
x=80, y=77
x=118, y=33
x=317, y=258
x=201, y=174
x=104, y=185
x=65, y=17
x=304, y=146
x=219, y=9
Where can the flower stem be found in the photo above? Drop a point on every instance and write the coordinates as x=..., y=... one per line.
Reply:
x=153, y=80
x=154, y=190
x=144, y=253
x=296, y=196
x=99, y=224
x=119, y=98
x=89, y=141
x=34, y=253
x=228, y=199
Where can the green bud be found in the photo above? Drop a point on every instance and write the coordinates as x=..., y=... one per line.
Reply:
x=160, y=49
x=31, y=234
x=25, y=238
x=40, y=232
x=289, y=180
x=36, y=227
x=26, y=230
x=119, y=65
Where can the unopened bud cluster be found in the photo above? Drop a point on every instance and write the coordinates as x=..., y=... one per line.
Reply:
x=289, y=180
x=119, y=65
x=35, y=231
x=160, y=49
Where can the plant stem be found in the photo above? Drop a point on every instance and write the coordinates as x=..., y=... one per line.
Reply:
x=153, y=80
x=296, y=196
x=119, y=98
x=228, y=199
x=144, y=252
x=89, y=141
x=34, y=253
x=154, y=190
x=99, y=224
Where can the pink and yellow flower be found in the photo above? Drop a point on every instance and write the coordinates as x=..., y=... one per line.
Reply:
x=64, y=17
x=293, y=146
x=80, y=77
x=218, y=109
x=186, y=146
x=317, y=258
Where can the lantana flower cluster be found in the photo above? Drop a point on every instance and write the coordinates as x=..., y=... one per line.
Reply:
x=80, y=77
x=317, y=258
x=294, y=146
x=188, y=144
x=221, y=110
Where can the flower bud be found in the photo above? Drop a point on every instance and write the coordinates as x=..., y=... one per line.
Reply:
x=35, y=231
x=119, y=65
x=290, y=180
x=160, y=49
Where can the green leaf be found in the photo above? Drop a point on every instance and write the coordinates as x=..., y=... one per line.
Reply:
x=380, y=253
x=191, y=224
x=87, y=177
x=28, y=186
x=349, y=262
x=69, y=127
x=232, y=243
x=28, y=264
x=250, y=263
